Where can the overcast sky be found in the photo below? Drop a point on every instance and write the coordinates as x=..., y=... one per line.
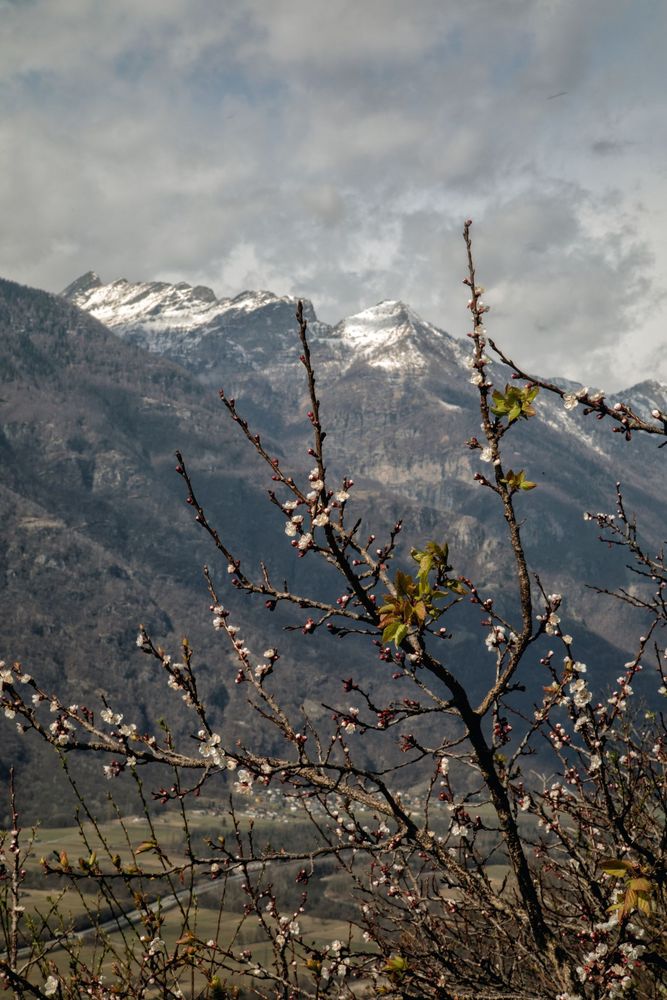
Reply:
x=333, y=148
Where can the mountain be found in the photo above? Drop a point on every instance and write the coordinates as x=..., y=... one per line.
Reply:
x=97, y=537
x=399, y=406
x=191, y=326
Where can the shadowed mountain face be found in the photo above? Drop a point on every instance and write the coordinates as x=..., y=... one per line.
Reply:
x=97, y=537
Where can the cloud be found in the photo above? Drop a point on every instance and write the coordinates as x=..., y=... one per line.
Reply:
x=609, y=147
x=334, y=150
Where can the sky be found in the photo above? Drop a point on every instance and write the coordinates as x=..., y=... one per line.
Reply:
x=333, y=148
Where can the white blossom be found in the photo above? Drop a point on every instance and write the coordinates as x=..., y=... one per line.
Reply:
x=156, y=945
x=553, y=621
x=581, y=696
x=143, y=642
x=113, y=718
x=494, y=638
x=244, y=780
x=210, y=748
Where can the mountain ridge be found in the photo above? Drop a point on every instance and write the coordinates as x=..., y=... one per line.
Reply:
x=141, y=311
x=382, y=374
x=98, y=537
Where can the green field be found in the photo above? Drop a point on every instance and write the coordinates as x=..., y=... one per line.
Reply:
x=214, y=915
x=57, y=904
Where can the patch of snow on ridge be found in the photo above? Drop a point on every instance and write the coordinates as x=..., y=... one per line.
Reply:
x=159, y=305
x=644, y=397
x=372, y=325
x=380, y=323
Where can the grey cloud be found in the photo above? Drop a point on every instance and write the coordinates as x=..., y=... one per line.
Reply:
x=325, y=203
x=609, y=147
x=334, y=150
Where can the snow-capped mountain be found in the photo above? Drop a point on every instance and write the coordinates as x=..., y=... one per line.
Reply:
x=97, y=528
x=191, y=325
x=256, y=330
x=393, y=337
x=395, y=389
x=224, y=340
x=98, y=537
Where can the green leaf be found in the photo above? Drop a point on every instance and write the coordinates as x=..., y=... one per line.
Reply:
x=517, y=481
x=514, y=402
x=420, y=610
x=425, y=564
x=615, y=867
x=390, y=631
x=145, y=845
x=631, y=898
x=644, y=903
x=400, y=634
x=396, y=966
x=640, y=884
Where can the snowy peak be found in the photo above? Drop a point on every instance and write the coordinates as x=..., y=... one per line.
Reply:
x=83, y=285
x=256, y=329
x=375, y=323
x=129, y=304
x=158, y=304
x=391, y=336
x=190, y=325
x=645, y=397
